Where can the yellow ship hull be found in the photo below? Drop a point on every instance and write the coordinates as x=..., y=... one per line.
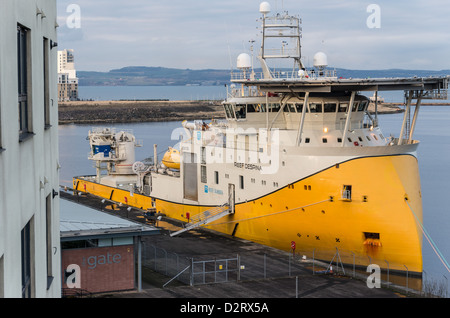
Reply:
x=378, y=225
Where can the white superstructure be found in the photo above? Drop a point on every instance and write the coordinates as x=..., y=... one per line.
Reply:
x=29, y=170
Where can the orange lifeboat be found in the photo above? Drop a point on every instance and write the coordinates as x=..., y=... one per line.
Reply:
x=171, y=159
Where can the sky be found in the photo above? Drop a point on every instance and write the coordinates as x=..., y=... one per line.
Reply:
x=210, y=34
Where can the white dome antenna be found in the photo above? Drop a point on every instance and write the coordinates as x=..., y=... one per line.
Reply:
x=320, y=60
x=264, y=7
x=244, y=61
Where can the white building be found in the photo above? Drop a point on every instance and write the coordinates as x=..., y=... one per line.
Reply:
x=67, y=76
x=66, y=62
x=30, y=264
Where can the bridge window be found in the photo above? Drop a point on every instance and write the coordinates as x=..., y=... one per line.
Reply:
x=251, y=108
x=363, y=105
x=274, y=107
x=300, y=108
x=329, y=107
x=240, y=111
x=315, y=107
x=343, y=107
x=289, y=108
x=229, y=111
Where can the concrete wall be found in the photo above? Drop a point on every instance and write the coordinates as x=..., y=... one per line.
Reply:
x=25, y=164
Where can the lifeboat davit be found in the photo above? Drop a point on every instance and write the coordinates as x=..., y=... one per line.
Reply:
x=171, y=159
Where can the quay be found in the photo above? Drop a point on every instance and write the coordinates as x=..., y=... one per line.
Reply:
x=129, y=111
x=280, y=282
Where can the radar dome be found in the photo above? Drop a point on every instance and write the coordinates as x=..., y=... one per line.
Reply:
x=244, y=61
x=264, y=7
x=320, y=59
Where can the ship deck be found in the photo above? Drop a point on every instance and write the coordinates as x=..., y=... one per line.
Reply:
x=438, y=85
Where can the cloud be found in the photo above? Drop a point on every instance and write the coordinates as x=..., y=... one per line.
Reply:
x=211, y=34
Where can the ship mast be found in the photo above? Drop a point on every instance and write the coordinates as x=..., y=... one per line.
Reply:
x=279, y=29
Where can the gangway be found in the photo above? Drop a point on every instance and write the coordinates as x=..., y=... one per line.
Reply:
x=206, y=217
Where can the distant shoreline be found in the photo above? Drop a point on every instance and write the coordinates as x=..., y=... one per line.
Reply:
x=135, y=111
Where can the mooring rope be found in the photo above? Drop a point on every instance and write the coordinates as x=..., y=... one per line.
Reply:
x=266, y=215
x=430, y=240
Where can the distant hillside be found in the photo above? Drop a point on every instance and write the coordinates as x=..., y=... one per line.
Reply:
x=161, y=76
x=153, y=76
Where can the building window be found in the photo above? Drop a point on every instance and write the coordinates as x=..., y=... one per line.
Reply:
x=23, y=83
x=241, y=182
x=49, y=219
x=26, y=260
x=46, y=72
x=2, y=278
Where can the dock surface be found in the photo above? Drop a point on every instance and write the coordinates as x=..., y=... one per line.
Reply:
x=280, y=279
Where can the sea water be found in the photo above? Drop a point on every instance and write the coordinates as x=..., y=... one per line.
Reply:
x=152, y=92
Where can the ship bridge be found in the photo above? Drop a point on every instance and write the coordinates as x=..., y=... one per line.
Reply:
x=336, y=94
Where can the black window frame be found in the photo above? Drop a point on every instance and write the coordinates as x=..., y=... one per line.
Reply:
x=241, y=182
x=46, y=81
x=25, y=240
x=24, y=82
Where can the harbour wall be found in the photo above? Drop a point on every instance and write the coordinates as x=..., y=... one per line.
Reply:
x=92, y=112
x=124, y=111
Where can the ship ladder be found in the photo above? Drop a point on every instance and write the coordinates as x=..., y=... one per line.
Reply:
x=206, y=217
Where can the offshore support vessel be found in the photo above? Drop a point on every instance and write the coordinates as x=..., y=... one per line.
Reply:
x=298, y=163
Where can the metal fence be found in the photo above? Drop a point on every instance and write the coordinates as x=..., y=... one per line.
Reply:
x=253, y=265
x=224, y=268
